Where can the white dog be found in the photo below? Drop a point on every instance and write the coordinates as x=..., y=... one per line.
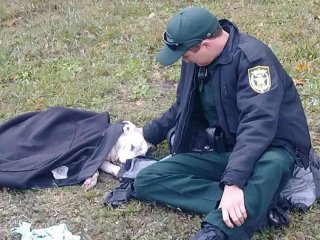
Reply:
x=130, y=144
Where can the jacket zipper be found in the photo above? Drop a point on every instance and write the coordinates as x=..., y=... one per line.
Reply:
x=188, y=112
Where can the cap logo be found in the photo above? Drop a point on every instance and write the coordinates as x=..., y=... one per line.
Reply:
x=169, y=38
x=259, y=78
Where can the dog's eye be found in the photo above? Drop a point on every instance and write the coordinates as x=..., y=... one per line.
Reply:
x=132, y=148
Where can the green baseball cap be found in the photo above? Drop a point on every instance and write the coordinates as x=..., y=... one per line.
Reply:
x=186, y=29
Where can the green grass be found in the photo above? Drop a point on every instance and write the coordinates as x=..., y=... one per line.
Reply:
x=99, y=55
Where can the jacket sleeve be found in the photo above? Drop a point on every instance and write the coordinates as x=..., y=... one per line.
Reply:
x=258, y=120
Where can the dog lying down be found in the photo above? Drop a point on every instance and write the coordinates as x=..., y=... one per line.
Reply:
x=130, y=144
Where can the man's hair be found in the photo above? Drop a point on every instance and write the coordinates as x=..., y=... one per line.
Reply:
x=217, y=33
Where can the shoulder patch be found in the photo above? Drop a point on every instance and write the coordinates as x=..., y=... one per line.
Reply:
x=259, y=79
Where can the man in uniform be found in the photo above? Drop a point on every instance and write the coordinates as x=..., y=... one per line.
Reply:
x=239, y=127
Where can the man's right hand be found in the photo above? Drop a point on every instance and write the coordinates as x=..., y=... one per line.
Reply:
x=232, y=206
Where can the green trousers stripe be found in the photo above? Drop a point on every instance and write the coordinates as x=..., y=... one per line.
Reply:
x=191, y=182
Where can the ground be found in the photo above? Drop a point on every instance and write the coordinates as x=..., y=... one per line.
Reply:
x=99, y=56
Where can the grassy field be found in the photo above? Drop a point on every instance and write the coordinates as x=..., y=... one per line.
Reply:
x=99, y=55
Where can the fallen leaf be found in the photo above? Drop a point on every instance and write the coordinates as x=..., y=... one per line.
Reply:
x=298, y=82
x=151, y=16
x=104, y=45
x=12, y=22
x=301, y=67
x=156, y=75
x=85, y=33
x=140, y=103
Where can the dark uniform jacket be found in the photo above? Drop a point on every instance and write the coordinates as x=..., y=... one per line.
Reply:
x=251, y=120
x=35, y=143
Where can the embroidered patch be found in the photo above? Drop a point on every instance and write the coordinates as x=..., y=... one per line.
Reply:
x=259, y=79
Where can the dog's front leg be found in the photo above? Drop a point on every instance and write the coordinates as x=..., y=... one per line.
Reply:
x=108, y=167
x=91, y=181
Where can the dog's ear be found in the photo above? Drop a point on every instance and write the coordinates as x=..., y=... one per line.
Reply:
x=128, y=123
x=128, y=127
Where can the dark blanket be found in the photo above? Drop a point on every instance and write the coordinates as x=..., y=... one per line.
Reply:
x=35, y=143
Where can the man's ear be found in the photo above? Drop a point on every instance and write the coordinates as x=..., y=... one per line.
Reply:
x=206, y=43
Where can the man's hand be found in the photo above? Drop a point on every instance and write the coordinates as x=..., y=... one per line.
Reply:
x=140, y=130
x=232, y=206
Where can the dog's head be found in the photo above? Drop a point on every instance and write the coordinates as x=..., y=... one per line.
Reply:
x=130, y=144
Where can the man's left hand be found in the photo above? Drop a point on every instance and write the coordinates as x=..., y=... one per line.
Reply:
x=232, y=206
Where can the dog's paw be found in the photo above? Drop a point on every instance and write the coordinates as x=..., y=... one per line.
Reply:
x=89, y=183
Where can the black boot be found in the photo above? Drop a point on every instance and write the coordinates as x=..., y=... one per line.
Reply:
x=209, y=232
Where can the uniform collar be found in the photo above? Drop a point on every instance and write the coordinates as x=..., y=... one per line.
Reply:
x=232, y=43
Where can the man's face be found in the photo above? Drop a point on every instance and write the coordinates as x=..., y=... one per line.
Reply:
x=199, y=55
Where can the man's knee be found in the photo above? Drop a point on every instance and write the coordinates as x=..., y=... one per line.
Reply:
x=275, y=165
x=278, y=158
